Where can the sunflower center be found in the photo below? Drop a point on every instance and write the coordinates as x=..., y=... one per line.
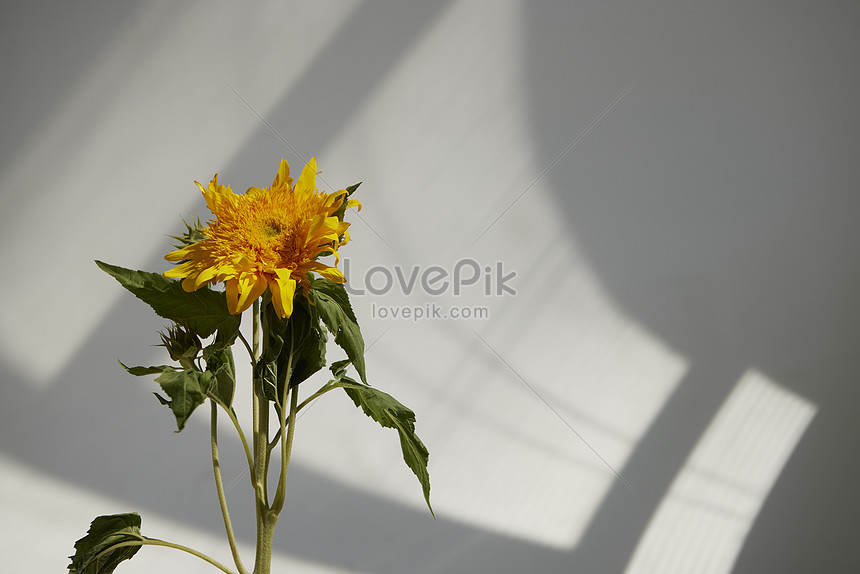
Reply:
x=270, y=228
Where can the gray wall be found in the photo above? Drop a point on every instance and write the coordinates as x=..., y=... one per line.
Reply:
x=692, y=164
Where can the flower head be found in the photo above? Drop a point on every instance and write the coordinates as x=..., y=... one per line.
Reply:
x=266, y=239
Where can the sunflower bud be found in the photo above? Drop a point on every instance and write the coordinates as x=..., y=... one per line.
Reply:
x=193, y=233
x=182, y=345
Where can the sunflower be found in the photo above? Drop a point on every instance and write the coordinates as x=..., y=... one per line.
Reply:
x=266, y=239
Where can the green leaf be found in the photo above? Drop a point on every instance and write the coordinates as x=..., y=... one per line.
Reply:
x=141, y=371
x=266, y=372
x=301, y=332
x=308, y=342
x=187, y=391
x=332, y=304
x=390, y=413
x=351, y=189
x=341, y=211
x=219, y=361
x=338, y=368
x=203, y=311
x=92, y=552
x=309, y=358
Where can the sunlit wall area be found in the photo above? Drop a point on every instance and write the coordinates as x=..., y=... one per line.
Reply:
x=144, y=115
x=524, y=445
x=705, y=516
x=27, y=523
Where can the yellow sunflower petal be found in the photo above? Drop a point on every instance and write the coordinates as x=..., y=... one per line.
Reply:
x=283, y=288
x=188, y=284
x=204, y=277
x=182, y=254
x=283, y=178
x=330, y=273
x=333, y=201
x=216, y=196
x=241, y=261
x=306, y=286
x=323, y=230
x=181, y=271
x=251, y=286
x=307, y=181
x=265, y=239
x=231, y=287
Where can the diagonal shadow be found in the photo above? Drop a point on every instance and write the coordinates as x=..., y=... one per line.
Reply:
x=32, y=101
x=98, y=405
x=712, y=208
x=683, y=294
x=93, y=394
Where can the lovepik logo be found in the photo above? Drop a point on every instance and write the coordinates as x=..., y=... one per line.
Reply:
x=433, y=280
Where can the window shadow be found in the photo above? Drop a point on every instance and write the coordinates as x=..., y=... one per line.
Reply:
x=717, y=206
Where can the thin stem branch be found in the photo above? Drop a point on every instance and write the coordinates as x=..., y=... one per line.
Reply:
x=286, y=451
x=219, y=487
x=260, y=422
x=274, y=442
x=251, y=352
x=232, y=414
x=288, y=428
x=316, y=395
x=156, y=542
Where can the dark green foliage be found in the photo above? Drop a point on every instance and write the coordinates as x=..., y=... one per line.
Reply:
x=92, y=552
x=203, y=311
x=332, y=303
x=389, y=413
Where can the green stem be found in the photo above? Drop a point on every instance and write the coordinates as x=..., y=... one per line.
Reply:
x=248, y=348
x=219, y=487
x=288, y=427
x=265, y=537
x=232, y=414
x=255, y=318
x=157, y=542
x=260, y=411
x=286, y=451
x=265, y=518
x=274, y=442
x=261, y=454
x=316, y=395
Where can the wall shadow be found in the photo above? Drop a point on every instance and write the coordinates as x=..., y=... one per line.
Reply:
x=70, y=427
x=713, y=221
x=718, y=207
x=68, y=41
